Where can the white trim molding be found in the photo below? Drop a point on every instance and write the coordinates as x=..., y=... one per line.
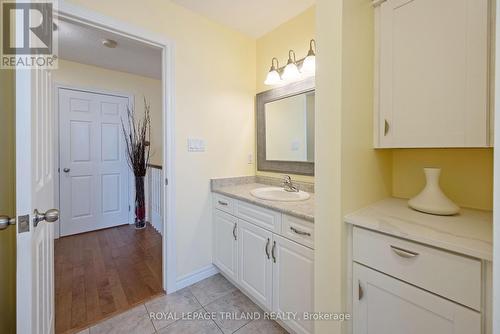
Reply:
x=376, y=3
x=196, y=276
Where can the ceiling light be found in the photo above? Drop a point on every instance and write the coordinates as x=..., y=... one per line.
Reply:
x=309, y=63
x=273, y=77
x=109, y=43
x=291, y=71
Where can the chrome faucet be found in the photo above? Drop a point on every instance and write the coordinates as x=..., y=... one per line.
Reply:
x=288, y=184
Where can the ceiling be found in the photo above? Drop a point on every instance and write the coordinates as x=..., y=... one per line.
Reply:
x=254, y=18
x=83, y=44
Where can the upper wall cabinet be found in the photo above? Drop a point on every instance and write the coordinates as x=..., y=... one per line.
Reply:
x=432, y=82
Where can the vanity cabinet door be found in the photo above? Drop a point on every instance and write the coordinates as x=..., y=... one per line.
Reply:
x=225, y=243
x=293, y=282
x=255, y=270
x=385, y=305
x=432, y=85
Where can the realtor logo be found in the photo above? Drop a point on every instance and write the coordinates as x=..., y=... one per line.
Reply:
x=28, y=35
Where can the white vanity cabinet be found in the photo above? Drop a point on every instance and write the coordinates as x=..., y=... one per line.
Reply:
x=385, y=305
x=256, y=266
x=293, y=281
x=225, y=243
x=431, y=78
x=268, y=255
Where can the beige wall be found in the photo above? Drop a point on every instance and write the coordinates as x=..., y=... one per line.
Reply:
x=294, y=34
x=329, y=238
x=92, y=77
x=214, y=100
x=7, y=206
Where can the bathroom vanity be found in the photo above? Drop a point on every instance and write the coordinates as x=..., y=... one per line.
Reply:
x=411, y=272
x=266, y=247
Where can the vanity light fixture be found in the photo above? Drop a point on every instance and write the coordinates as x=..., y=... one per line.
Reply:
x=309, y=63
x=273, y=77
x=291, y=71
x=279, y=75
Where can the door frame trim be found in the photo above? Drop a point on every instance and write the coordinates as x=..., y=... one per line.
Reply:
x=97, y=20
x=57, y=161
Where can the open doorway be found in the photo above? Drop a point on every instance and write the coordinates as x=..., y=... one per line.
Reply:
x=103, y=265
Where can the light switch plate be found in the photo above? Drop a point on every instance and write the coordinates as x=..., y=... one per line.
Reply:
x=196, y=145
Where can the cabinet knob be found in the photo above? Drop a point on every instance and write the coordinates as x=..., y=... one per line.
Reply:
x=386, y=127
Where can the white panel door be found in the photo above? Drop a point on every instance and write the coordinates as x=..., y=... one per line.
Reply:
x=293, y=282
x=433, y=73
x=385, y=305
x=255, y=264
x=225, y=243
x=94, y=175
x=34, y=190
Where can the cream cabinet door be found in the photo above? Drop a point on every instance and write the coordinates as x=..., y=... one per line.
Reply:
x=433, y=73
x=293, y=282
x=385, y=305
x=255, y=265
x=225, y=243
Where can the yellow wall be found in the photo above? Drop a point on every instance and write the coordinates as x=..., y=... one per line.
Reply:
x=92, y=77
x=466, y=176
x=292, y=35
x=214, y=100
x=7, y=206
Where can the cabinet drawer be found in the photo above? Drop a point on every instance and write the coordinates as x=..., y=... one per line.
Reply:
x=299, y=230
x=452, y=276
x=224, y=203
x=265, y=218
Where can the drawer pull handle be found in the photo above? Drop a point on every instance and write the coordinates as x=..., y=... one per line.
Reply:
x=222, y=203
x=299, y=232
x=403, y=252
x=273, y=250
x=234, y=231
x=267, y=249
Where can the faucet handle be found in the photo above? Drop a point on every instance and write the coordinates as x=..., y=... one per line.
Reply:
x=287, y=179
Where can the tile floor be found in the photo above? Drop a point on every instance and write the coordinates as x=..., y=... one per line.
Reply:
x=214, y=294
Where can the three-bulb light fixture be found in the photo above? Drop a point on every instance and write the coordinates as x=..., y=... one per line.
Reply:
x=291, y=72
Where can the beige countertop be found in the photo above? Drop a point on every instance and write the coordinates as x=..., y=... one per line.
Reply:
x=300, y=209
x=469, y=233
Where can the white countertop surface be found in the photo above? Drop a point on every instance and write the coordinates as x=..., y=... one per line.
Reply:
x=469, y=233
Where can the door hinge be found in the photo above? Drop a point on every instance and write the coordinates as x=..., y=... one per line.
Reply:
x=166, y=181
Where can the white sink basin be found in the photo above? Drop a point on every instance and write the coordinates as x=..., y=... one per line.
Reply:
x=279, y=194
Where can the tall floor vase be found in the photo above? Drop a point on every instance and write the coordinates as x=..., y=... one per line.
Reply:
x=140, y=203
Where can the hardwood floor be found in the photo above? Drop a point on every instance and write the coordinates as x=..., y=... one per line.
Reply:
x=101, y=273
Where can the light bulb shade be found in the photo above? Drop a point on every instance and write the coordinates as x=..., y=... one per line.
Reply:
x=309, y=66
x=273, y=78
x=291, y=72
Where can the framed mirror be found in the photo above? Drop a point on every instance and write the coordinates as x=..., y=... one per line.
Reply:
x=285, y=128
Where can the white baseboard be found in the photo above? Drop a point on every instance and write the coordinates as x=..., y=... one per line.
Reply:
x=196, y=276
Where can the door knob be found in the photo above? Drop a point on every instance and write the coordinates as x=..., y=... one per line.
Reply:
x=50, y=216
x=6, y=221
x=66, y=170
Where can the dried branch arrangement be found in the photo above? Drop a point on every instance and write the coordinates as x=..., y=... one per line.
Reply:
x=137, y=138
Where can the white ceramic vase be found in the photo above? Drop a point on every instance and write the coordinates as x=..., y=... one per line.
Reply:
x=432, y=199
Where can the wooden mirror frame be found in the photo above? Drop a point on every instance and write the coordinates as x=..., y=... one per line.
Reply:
x=289, y=167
